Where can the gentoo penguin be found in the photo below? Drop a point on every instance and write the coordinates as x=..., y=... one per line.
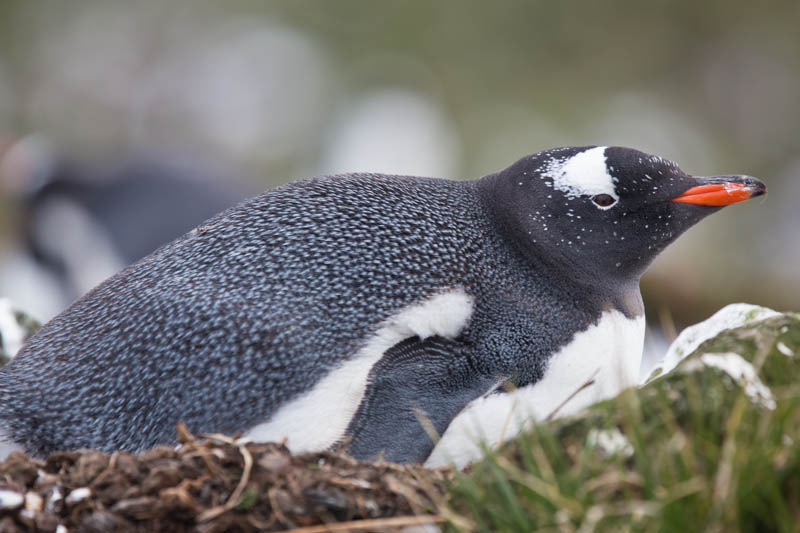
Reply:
x=366, y=309
x=81, y=222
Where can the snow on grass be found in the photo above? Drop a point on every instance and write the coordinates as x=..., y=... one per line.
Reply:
x=729, y=317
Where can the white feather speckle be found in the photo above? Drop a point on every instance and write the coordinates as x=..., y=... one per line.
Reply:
x=584, y=174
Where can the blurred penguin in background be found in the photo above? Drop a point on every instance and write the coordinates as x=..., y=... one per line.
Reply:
x=77, y=223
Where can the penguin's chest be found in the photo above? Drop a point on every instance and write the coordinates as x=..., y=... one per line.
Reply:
x=596, y=364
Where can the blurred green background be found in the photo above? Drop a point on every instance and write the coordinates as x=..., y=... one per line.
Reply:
x=283, y=90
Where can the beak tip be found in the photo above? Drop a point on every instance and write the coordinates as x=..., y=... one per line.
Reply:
x=754, y=186
x=759, y=188
x=719, y=191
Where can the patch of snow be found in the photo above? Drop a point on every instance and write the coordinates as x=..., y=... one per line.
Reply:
x=729, y=317
x=741, y=371
x=785, y=350
x=611, y=441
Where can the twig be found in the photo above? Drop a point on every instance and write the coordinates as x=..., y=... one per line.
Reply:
x=427, y=424
x=237, y=493
x=507, y=421
x=276, y=509
x=588, y=383
x=374, y=523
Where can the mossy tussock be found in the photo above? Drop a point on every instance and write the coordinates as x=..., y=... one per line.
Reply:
x=712, y=445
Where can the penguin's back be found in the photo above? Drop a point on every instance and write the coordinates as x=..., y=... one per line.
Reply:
x=244, y=313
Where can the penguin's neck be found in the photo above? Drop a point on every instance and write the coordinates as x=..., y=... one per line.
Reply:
x=611, y=290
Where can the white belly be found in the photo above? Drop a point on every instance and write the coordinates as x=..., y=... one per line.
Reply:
x=318, y=419
x=608, y=354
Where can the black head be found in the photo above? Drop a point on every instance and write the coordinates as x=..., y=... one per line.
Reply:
x=603, y=213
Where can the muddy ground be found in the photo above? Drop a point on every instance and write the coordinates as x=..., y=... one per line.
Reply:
x=215, y=484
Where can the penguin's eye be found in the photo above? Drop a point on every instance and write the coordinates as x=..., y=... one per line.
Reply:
x=604, y=200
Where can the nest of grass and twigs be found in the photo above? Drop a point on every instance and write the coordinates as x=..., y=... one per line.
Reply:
x=211, y=484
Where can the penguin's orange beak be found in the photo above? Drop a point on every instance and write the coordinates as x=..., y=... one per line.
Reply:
x=722, y=190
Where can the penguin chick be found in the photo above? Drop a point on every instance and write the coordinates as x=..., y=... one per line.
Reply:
x=367, y=309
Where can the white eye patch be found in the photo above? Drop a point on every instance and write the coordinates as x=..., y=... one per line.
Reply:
x=584, y=174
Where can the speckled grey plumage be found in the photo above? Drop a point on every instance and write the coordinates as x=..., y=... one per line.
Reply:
x=227, y=323
x=235, y=318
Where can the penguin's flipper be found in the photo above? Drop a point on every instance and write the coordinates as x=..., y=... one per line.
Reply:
x=413, y=394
